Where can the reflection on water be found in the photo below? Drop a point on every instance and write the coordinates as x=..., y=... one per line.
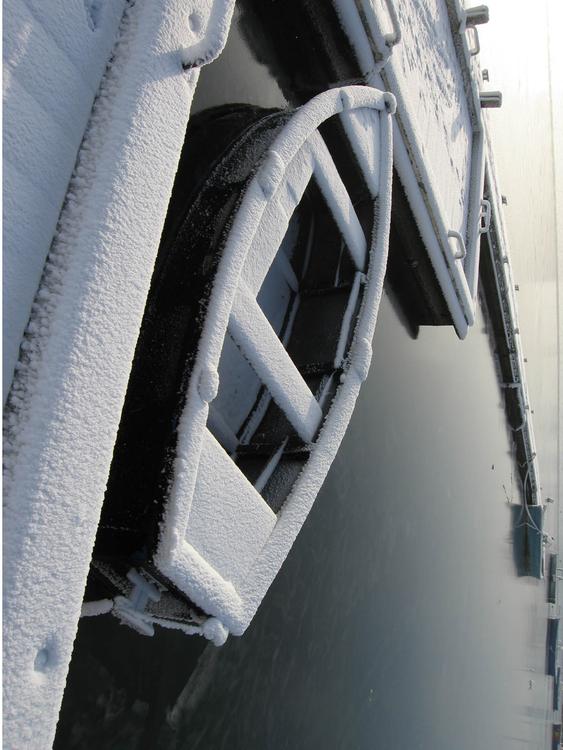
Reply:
x=398, y=619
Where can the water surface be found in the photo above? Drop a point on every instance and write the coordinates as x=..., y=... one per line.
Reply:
x=398, y=619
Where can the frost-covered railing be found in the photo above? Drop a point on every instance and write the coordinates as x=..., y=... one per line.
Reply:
x=466, y=40
x=498, y=242
x=221, y=544
x=425, y=54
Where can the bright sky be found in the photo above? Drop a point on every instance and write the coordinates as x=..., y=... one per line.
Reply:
x=555, y=17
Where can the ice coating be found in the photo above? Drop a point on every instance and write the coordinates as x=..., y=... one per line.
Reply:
x=226, y=584
x=42, y=135
x=63, y=410
x=420, y=52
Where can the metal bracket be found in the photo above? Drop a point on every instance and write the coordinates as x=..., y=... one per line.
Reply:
x=394, y=37
x=462, y=250
x=485, y=217
x=476, y=48
x=131, y=609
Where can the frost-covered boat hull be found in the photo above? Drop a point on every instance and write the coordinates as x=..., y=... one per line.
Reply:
x=185, y=270
x=199, y=494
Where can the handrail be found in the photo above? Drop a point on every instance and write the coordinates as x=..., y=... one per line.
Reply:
x=476, y=48
x=395, y=37
x=462, y=252
x=372, y=24
x=486, y=213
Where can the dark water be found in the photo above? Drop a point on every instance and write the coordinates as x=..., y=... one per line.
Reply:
x=398, y=620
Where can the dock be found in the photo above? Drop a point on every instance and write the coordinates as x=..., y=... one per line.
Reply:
x=552, y=579
x=498, y=292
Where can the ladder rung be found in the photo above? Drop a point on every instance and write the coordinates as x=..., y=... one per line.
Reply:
x=266, y=354
x=267, y=240
x=338, y=201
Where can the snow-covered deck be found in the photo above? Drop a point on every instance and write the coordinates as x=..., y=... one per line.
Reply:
x=424, y=53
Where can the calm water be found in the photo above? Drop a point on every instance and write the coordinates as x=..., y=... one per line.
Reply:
x=398, y=619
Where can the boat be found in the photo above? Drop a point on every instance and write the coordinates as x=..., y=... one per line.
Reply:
x=529, y=539
x=219, y=388
x=254, y=344
x=552, y=646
